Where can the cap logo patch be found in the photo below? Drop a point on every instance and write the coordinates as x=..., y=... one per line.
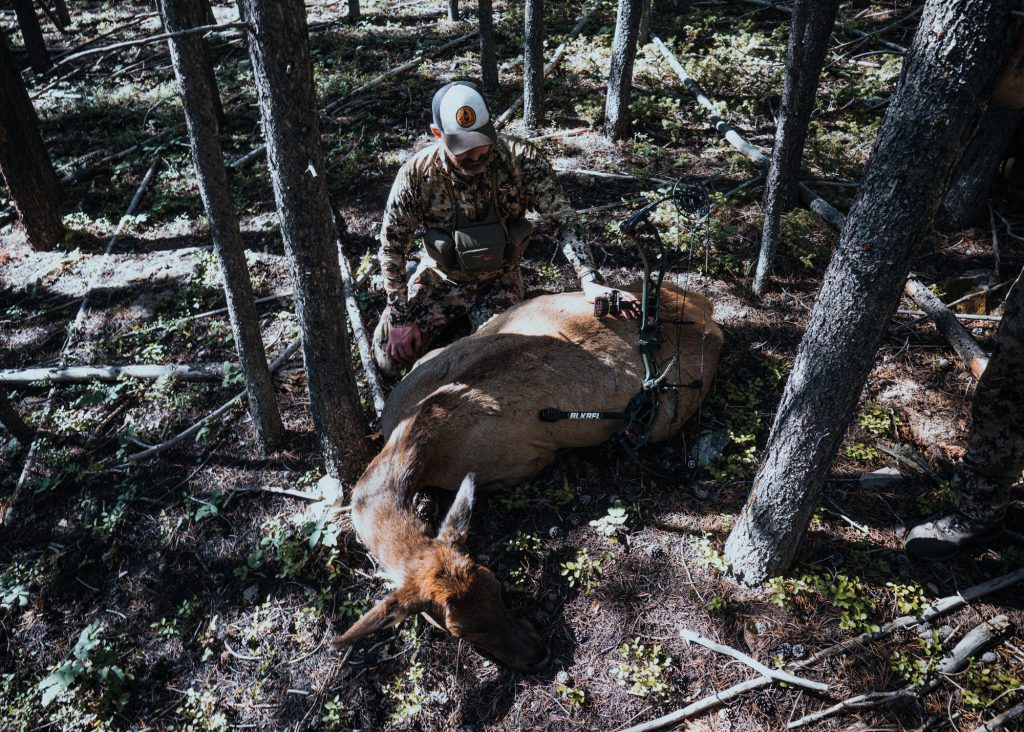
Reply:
x=466, y=116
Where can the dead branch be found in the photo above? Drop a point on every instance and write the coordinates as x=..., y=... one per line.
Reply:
x=243, y=489
x=550, y=66
x=355, y=321
x=616, y=176
x=701, y=705
x=941, y=607
x=13, y=422
x=691, y=637
x=958, y=316
x=856, y=32
x=212, y=416
x=558, y=134
x=147, y=40
x=80, y=374
x=974, y=359
x=1001, y=719
x=7, y=511
x=983, y=637
x=398, y=70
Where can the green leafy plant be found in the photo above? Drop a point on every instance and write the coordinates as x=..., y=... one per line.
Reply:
x=572, y=696
x=200, y=713
x=15, y=581
x=918, y=670
x=583, y=572
x=407, y=693
x=877, y=419
x=716, y=603
x=643, y=669
x=844, y=593
x=524, y=543
x=860, y=450
x=93, y=661
x=335, y=714
x=708, y=555
x=908, y=598
x=614, y=521
x=988, y=684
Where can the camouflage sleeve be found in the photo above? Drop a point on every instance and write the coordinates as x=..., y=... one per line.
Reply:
x=546, y=197
x=401, y=218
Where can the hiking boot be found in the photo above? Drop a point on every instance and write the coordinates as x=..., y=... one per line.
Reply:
x=944, y=537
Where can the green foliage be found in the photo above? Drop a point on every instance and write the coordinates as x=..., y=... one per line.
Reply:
x=16, y=580
x=206, y=509
x=708, y=555
x=716, y=604
x=918, y=670
x=843, y=593
x=583, y=571
x=909, y=598
x=643, y=669
x=614, y=522
x=524, y=543
x=984, y=686
x=570, y=695
x=799, y=233
x=549, y=272
x=935, y=499
x=407, y=693
x=199, y=711
x=353, y=608
x=861, y=451
x=292, y=546
x=526, y=494
x=93, y=663
x=335, y=714
x=879, y=420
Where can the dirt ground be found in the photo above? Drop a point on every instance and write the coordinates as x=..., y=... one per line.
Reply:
x=182, y=593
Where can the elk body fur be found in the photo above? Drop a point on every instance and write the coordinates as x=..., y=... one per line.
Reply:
x=471, y=409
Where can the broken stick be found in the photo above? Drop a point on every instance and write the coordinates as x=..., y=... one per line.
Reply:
x=691, y=637
x=974, y=359
x=80, y=374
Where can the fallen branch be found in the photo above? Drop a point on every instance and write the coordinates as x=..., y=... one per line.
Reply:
x=243, y=489
x=355, y=321
x=1001, y=719
x=856, y=32
x=407, y=66
x=701, y=705
x=212, y=416
x=771, y=673
x=550, y=66
x=80, y=374
x=958, y=316
x=941, y=607
x=982, y=638
x=810, y=199
x=558, y=134
x=98, y=269
x=616, y=176
x=147, y=40
x=974, y=359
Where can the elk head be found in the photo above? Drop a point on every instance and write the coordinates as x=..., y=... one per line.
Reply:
x=457, y=594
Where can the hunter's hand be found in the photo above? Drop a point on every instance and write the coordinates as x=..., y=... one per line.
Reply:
x=404, y=343
x=629, y=308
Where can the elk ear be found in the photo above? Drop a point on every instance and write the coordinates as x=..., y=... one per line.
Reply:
x=455, y=527
x=389, y=611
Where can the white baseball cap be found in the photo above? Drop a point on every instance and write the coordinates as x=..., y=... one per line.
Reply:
x=461, y=114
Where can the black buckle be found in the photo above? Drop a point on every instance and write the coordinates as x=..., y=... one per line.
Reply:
x=610, y=304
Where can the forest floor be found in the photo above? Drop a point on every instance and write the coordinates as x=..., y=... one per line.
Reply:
x=171, y=595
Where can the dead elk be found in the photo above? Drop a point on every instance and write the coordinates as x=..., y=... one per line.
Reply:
x=466, y=417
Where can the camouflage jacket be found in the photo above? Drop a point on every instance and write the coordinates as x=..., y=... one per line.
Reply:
x=420, y=199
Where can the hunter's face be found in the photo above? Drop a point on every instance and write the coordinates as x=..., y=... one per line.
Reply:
x=472, y=162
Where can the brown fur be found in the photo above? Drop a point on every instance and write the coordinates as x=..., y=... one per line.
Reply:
x=471, y=408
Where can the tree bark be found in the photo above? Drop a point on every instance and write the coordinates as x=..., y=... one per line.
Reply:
x=533, y=65
x=189, y=58
x=31, y=181
x=28, y=21
x=965, y=200
x=809, y=32
x=453, y=10
x=617, y=121
x=209, y=61
x=488, y=58
x=353, y=10
x=279, y=48
x=947, y=76
x=644, y=32
x=60, y=7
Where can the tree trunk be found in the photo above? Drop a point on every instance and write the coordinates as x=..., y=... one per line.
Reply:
x=279, y=48
x=488, y=58
x=453, y=10
x=809, y=32
x=60, y=7
x=190, y=69
x=353, y=10
x=620, y=78
x=35, y=46
x=965, y=200
x=947, y=76
x=644, y=32
x=533, y=65
x=24, y=162
x=209, y=62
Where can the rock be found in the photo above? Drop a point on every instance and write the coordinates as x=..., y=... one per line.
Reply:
x=881, y=478
x=709, y=446
x=554, y=532
x=798, y=651
x=989, y=657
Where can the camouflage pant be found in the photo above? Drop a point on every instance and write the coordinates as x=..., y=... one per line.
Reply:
x=995, y=452
x=436, y=302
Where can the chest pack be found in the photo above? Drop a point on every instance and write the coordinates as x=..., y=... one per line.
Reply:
x=475, y=247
